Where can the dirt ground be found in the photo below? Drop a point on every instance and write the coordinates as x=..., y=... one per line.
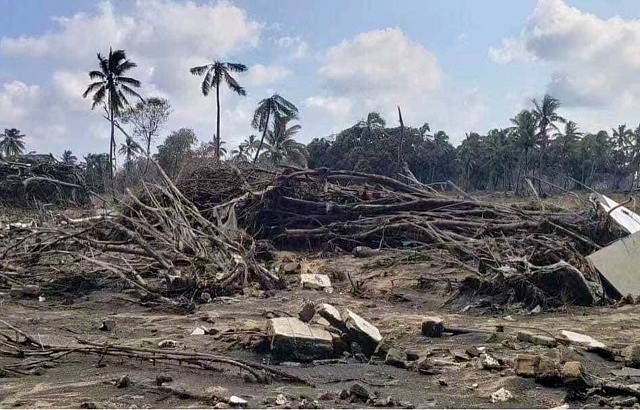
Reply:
x=394, y=298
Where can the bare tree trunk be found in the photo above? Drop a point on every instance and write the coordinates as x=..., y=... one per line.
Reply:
x=112, y=141
x=266, y=127
x=217, y=140
x=401, y=135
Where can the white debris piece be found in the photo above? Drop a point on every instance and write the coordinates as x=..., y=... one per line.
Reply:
x=236, y=401
x=582, y=340
x=198, y=331
x=368, y=335
x=292, y=338
x=315, y=281
x=501, y=395
x=627, y=219
x=618, y=264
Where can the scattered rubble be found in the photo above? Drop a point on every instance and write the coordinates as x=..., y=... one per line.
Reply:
x=501, y=395
x=316, y=281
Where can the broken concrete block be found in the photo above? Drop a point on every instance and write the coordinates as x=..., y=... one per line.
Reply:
x=542, y=340
x=581, y=340
x=315, y=281
x=526, y=365
x=360, y=391
x=236, y=401
x=198, y=331
x=367, y=335
x=548, y=372
x=293, y=339
x=291, y=267
x=26, y=291
x=331, y=315
x=432, y=326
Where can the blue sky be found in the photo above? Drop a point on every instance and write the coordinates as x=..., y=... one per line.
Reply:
x=461, y=65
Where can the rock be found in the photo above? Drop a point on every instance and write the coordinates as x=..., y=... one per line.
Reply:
x=107, y=325
x=360, y=391
x=632, y=356
x=281, y=400
x=432, y=326
x=411, y=355
x=332, y=315
x=572, y=370
x=501, y=395
x=123, y=382
x=293, y=339
x=205, y=297
x=526, y=365
x=489, y=362
x=344, y=394
x=474, y=351
x=364, y=252
x=162, y=379
x=459, y=355
x=167, y=344
x=198, y=331
x=581, y=340
x=291, y=267
x=367, y=335
x=236, y=401
x=406, y=404
x=42, y=299
x=88, y=405
x=316, y=281
x=307, y=312
x=395, y=358
x=328, y=396
x=222, y=405
x=443, y=383
x=28, y=291
x=383, y=402
x=546, y=341
x=424, y=366
x=525, y=336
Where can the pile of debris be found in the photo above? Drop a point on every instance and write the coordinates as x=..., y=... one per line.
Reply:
x=530, y=256
x=26, y=180
x=163, y=247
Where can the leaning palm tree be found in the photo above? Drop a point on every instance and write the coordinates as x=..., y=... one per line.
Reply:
x=214, y=73
x=11, y=143
x=68, y=157
x=272, y=107
x=111, y=88
x=281, y=146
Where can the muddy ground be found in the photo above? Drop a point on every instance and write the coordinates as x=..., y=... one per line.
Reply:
x=393, y=297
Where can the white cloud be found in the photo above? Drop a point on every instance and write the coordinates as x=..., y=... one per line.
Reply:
x=381, y=61
x=297, y=47
x=260, y=74
x=334, y=113
x=16, y=101
x=595, y=61
x=164, y=37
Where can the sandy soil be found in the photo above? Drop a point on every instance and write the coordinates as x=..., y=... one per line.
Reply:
x=394, y=299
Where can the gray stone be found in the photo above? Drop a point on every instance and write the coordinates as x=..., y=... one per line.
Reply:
x=107, y=325
x=360, y=391
x=526, y=365
x=395, y=358
x=236, y=401
x=546, y=341
x=293, y=339
x=123, y=381
x=525, y=336
x=364, y=252
x=332, y=315
x=632, y=356
x=432, y=326
x=581, y=340
x=411, y=355
x=489, y=362
x=307, y=312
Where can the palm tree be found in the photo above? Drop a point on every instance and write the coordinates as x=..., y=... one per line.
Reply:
x=622, y=136
x=130, y=149
x=281, y=145
x=111, y=88
x=546, y=117
x=11, y=143
x=248, y=145
x=525, y=138
x=274, y=106
x=214, y=73
x=68, y=157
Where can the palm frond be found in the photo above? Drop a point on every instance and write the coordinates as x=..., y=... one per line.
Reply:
x=128, y=80
x=236, y=67
x=199, y=70
x=96, y=75
x=233, y=84
x=92, y=87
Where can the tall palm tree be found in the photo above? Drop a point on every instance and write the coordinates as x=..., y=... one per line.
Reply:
x=248, y=145
x=622, y=136
x=214, y=73
x=130, y=149
x=11, y=143
x=272, y=107
x=281, y=146
x=525, y=138
x=111, y=87
x=546, y=116
x=68, y=157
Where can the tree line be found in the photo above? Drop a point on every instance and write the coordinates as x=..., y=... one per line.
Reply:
x=540, y=145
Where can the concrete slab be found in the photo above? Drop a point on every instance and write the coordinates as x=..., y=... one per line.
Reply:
x=618, y=264
x=315, y=281
x=627, y=219
x=367, y=335
x=293, y=340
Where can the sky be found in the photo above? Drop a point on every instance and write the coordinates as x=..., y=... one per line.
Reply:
x=460, y=65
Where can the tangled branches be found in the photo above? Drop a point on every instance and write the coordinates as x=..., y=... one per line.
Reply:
x=163, y=246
